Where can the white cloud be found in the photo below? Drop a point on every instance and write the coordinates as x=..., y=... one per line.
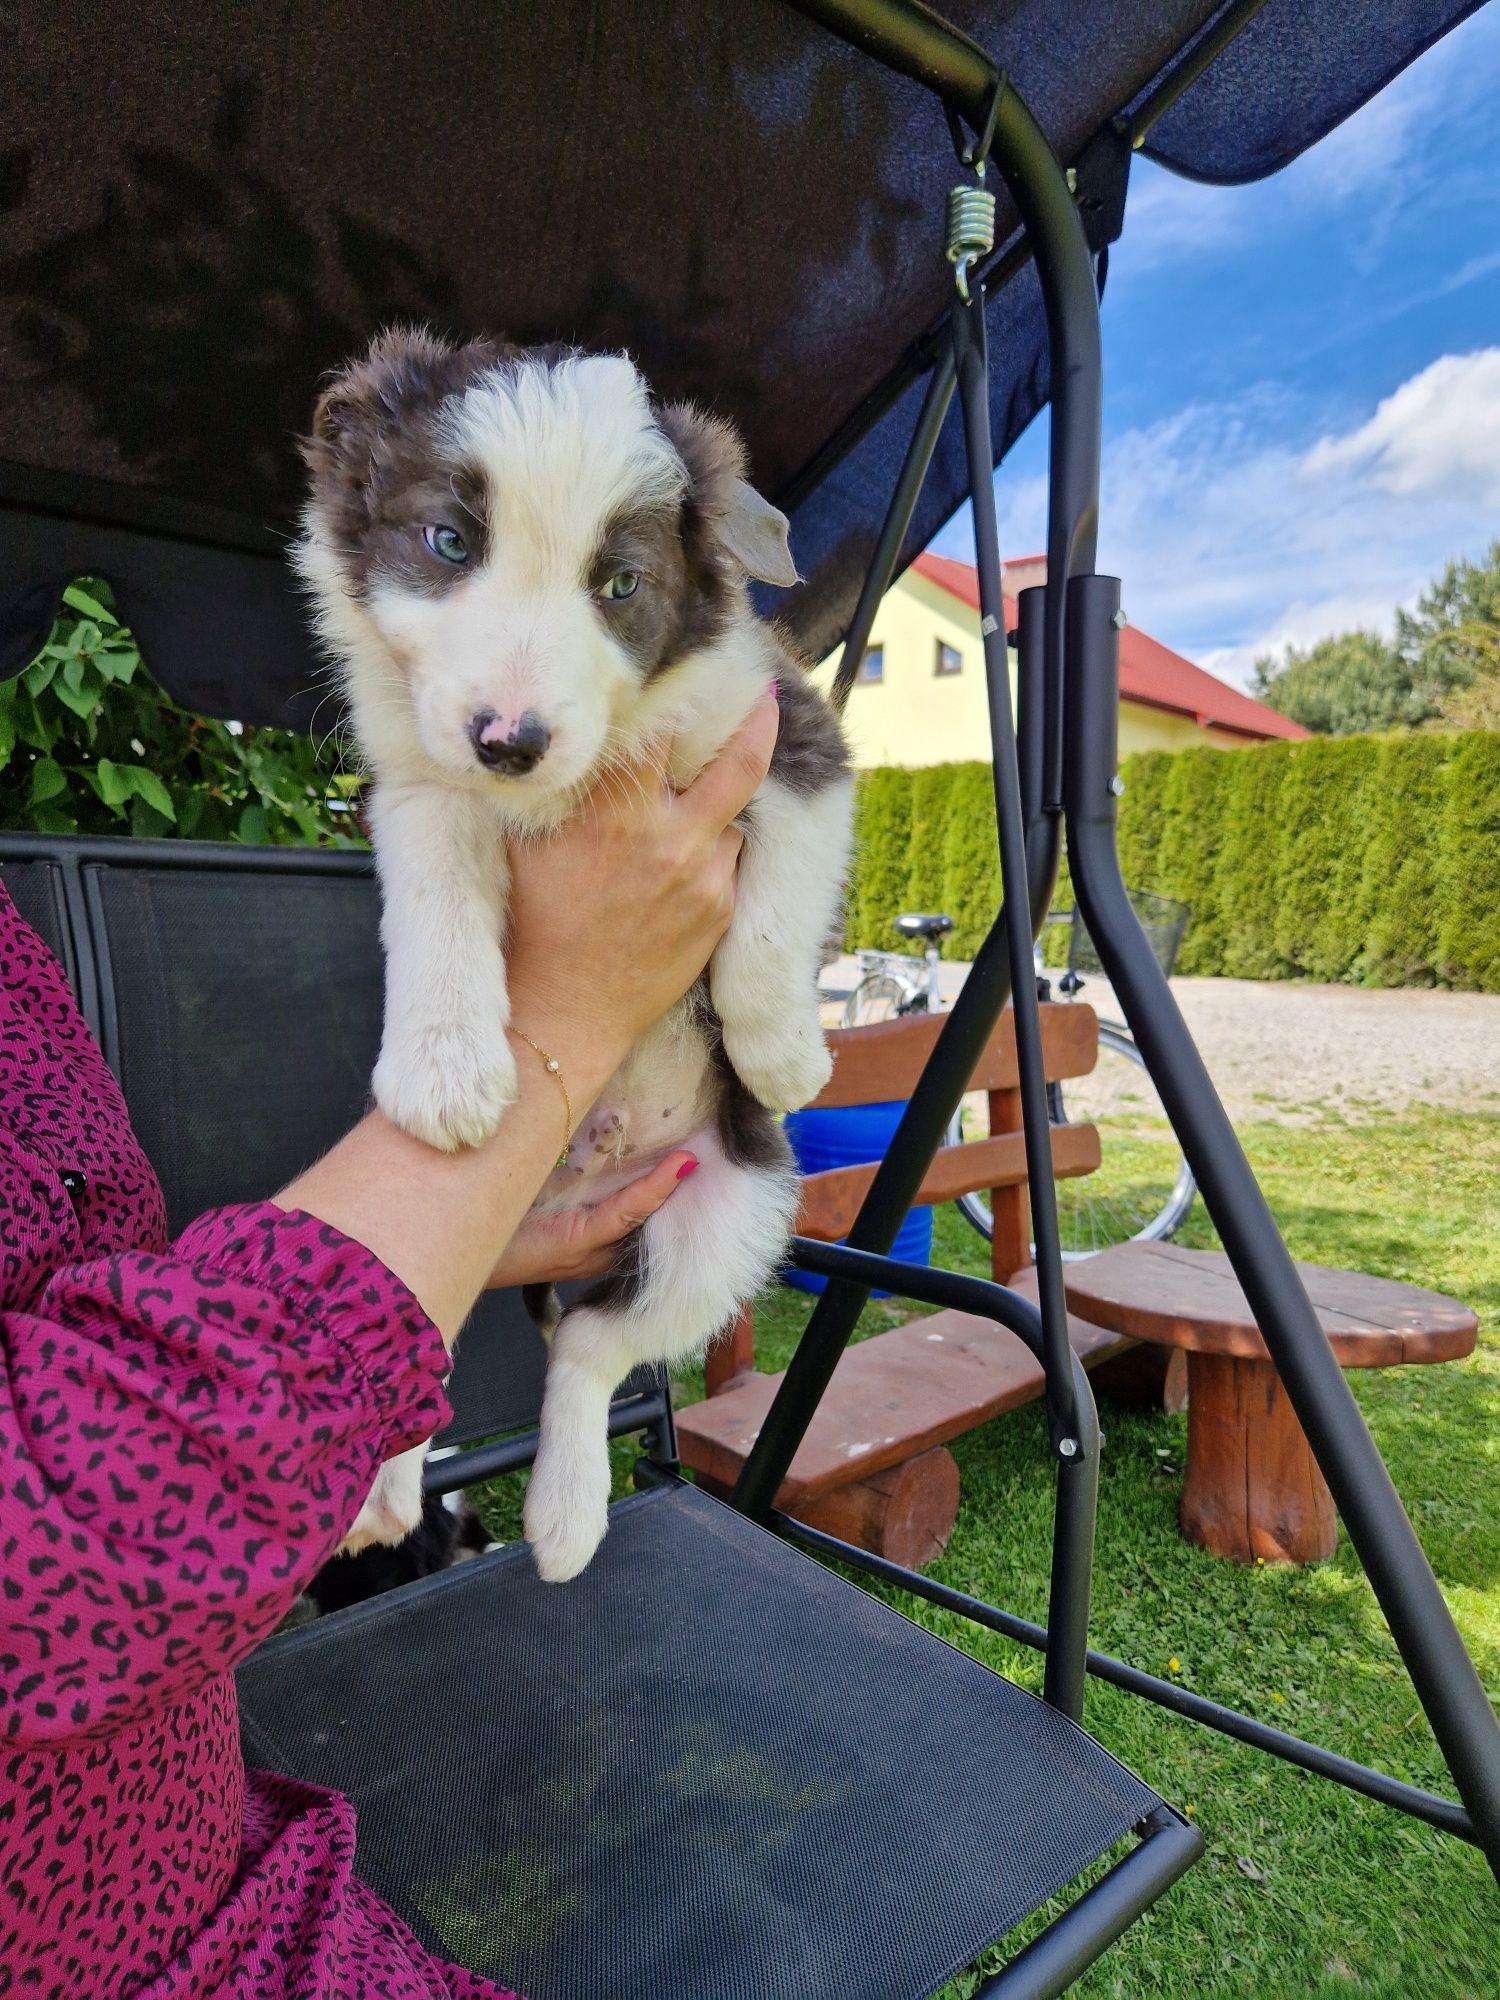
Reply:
x=1439, y=432
x=1243, y=527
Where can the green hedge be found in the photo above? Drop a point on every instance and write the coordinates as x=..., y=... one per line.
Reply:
x=1373, y=859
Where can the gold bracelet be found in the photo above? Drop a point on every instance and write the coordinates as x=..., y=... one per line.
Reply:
x=553, y=1068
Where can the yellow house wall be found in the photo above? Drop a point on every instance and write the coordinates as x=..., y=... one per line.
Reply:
x=1146, y=728
x=916, y=716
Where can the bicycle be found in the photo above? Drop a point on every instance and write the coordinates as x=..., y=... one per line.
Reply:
x=1143, y=1188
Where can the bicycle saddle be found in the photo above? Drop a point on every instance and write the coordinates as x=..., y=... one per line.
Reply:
x=914, y=924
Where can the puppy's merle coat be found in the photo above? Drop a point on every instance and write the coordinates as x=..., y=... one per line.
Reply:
x=525, y=570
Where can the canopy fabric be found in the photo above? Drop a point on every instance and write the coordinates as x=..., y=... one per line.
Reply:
x=203, y=209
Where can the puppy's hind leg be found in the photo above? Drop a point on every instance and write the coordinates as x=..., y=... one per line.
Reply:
x=681, y=1279
x=394, y=1506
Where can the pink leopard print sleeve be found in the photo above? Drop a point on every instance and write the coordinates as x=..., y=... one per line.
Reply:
x=190, y=1437
x=186, y=1431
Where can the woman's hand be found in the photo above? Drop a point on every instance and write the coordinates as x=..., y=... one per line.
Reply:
x=581, y=1242
x=613, y=917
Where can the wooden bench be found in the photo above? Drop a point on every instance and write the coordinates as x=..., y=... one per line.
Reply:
x=873, y=1468
x=1252, y=1490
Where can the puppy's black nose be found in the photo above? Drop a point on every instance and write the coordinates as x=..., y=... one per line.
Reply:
x=513, y=750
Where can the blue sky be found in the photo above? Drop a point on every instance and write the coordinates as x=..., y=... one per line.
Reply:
x=1302, y=377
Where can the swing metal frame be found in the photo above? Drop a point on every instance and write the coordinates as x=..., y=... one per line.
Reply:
x=1056, y=770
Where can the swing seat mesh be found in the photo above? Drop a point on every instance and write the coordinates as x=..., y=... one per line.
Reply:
x=707, y=1769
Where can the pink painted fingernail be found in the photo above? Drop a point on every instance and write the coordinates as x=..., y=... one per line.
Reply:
x=687, y=1167
x=776, y=690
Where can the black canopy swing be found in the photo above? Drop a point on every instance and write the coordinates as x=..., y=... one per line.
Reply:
x=709, y=1767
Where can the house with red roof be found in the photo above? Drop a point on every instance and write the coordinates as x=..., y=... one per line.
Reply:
x=919, y=697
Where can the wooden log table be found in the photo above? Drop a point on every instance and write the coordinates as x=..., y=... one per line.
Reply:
x=1252, y=1487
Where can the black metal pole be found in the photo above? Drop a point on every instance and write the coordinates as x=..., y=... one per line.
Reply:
x=1423, y=1628
x=1071, y=1943
x=1430, y=1807
x=924, y=437
x=1075, y=1441
x=911, y=39
x=973, y=389
x=1065, y=1640
x=1209, y=46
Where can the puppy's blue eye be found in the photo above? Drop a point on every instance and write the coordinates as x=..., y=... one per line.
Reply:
x=447, y=543
x=624, y=583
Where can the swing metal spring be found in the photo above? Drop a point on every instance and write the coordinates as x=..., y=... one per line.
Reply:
x=971, y=231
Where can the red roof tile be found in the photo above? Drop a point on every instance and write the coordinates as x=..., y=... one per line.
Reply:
x=1150, y=673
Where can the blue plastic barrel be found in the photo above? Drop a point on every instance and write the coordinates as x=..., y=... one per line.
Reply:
x=851, y=1136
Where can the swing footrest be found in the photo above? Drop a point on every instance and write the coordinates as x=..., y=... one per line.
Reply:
x=707, y=1768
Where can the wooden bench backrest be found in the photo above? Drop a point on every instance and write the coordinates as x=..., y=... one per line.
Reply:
x=875, y=1064
x=872, y=1065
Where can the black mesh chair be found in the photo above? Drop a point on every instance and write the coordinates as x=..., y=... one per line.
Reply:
x=708, y=1769
x=36, y=885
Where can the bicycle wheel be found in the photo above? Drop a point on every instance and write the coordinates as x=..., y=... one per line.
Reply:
x=878, y=997
x=1143, y=1187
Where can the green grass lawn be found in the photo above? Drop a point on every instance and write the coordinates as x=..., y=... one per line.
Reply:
x=1305, y=1889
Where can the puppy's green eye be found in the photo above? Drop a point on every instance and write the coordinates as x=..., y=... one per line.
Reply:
x=624, y=583
x=447, y=543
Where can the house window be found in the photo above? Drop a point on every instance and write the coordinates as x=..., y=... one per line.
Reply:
x=872, y=666
x=949, y=660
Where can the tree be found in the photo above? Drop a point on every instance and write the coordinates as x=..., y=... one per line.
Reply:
x=1453, y=642
x=1344, y=686
x=1442, y=666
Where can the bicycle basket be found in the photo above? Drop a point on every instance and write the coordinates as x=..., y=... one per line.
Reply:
x=1162, y=919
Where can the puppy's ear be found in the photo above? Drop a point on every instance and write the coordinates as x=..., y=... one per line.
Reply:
x=405, y=371
x=742, y=524
x=756, y=535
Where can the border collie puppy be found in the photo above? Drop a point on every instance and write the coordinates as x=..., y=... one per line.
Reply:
x=526, y=570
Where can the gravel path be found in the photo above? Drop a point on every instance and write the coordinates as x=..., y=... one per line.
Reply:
x=1276, y=1048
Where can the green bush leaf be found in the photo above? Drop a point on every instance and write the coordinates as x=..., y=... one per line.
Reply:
x=146, y=823
x=150, y=788
x=82, y=699
x=78, y=599
x=48, y=780
x=253, y=826
x=115, y=786
x=32, y=725
x=162, y=771
x=117, y=663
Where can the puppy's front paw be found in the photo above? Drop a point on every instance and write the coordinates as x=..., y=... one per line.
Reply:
x=447, y=1085
x=394, y=1507
x=566, y=1512
x=783, y=1062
